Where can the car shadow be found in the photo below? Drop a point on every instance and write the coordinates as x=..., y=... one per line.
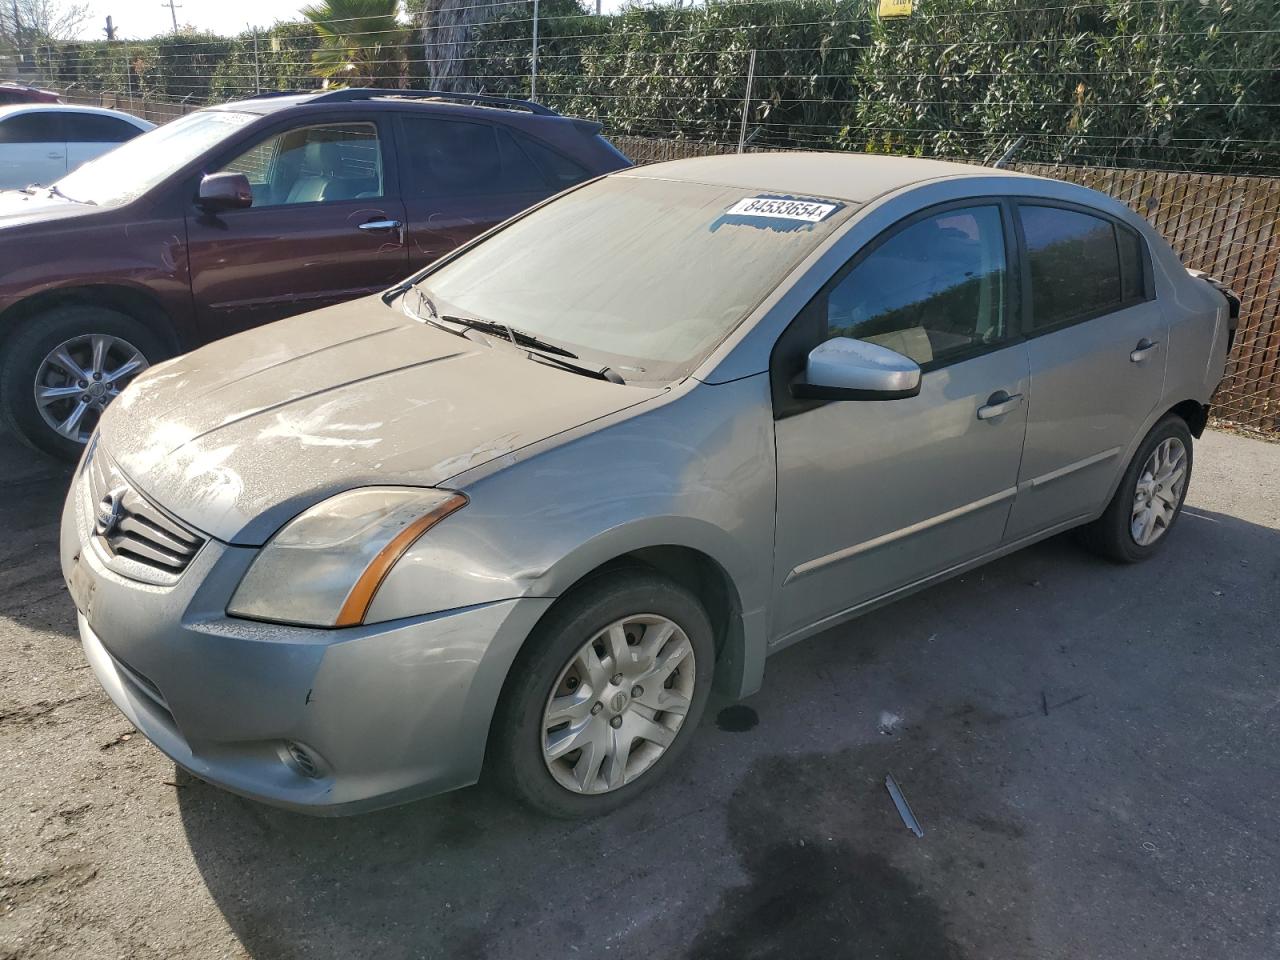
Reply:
x=32, y=490
x=990, y=699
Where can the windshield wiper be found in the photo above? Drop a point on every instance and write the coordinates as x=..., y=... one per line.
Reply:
x=535, y=348
x=597, y=373
x=538, y=349
x=517, y=337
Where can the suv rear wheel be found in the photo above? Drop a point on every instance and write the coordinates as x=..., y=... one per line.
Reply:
x=62, y=368
x=605, y=695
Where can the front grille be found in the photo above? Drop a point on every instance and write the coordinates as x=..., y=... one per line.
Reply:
x=134, y=528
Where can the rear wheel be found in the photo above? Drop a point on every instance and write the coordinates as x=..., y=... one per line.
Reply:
x=605, y=695
x=1149, y=499
x=62, y=368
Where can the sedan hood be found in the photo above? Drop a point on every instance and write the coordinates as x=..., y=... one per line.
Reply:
x=18, y=208
x=245, y=433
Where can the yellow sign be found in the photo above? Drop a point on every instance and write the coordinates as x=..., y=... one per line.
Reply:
x=895, y=8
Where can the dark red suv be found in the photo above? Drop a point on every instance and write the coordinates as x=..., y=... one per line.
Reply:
x=13, y=91
x=245, y=213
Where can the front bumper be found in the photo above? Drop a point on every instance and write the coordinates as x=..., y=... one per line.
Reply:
x=386, y=712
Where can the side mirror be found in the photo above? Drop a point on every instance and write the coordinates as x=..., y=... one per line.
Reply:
x=225, y=191
x=847, y=369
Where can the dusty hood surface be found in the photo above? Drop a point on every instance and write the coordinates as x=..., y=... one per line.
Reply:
x=241, y=435
x=18, y=208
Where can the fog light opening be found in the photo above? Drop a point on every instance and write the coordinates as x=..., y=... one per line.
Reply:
x=302, y=760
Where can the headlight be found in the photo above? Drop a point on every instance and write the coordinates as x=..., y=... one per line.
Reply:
x=325, y=565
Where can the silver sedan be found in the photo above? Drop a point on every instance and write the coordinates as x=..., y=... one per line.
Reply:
x=527, y=509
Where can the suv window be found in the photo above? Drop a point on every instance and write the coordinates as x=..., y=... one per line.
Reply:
x=95, y=128
x=32, y=128
x=461, y=158
x=557, y=170
x=931, y=291
x=1075, y=265
x=318, y=164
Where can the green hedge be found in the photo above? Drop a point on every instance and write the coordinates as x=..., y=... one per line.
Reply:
x=1184, y=84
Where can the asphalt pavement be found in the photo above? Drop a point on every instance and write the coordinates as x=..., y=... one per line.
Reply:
x=1091, y=751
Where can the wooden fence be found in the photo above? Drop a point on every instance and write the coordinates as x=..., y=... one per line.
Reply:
x=1223, y=225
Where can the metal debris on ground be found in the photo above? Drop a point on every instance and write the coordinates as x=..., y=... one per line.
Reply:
x=904, y=808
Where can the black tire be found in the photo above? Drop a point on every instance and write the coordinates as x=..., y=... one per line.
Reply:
x=26, y=350
x=1111, y=535
x=516, y=741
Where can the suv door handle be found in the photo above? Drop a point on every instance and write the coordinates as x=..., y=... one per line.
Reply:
x=998, y=404
x=378, y=226
x=1143, y=350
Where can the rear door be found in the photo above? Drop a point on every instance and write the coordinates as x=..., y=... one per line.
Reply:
x=1097, y=343
x=92, y=134
x=462, y=177
x=326, y=226
x=33, y=149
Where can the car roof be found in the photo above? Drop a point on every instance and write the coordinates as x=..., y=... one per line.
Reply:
x=14, y=108
x=268, y=103
x=855, y=177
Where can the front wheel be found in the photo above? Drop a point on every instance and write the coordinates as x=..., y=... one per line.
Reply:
x=605, y=695
x=61, y=369
x=1149, y=499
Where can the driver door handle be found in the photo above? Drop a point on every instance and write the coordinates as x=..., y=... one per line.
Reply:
x=1143, y=350
x=379, y=226
x=998, y=404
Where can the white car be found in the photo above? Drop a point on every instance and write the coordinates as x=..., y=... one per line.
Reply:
x=42, y=143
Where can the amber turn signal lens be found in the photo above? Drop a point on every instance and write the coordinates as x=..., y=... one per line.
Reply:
x=361, y=596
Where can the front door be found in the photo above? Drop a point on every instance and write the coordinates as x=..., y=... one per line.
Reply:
x=1097, y=348
x=324, y=227
x=459, y=178
x=874, y=496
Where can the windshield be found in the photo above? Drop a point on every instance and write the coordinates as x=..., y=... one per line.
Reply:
x=640, y=274
x=133, y=168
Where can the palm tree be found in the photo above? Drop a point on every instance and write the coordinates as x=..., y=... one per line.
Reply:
x=362, y=42
x=447, y=32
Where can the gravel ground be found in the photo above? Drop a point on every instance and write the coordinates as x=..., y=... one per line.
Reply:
x=1090, y=749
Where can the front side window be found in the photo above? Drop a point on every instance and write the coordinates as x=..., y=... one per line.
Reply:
x=317, y=164
x=1075, y=266
x=32, y=128
x=932, y=291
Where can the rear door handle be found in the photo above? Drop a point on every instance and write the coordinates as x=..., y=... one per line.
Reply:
x=998, y=404
x=1143, y=350
x=380, y=226
x=54, y=156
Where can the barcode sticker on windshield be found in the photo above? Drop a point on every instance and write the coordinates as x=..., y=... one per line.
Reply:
x=810, y=211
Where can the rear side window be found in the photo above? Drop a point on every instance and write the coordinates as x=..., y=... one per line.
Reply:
x=32, y=128
x=95, y=128
x=446, y=158
x=557, y=170
x=1075, y=265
